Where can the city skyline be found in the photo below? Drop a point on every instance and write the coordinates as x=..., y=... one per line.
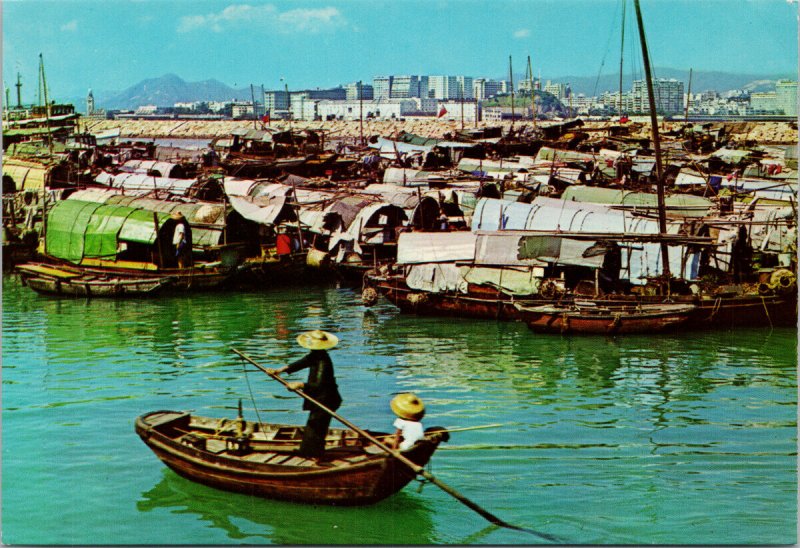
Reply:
x=113, y=45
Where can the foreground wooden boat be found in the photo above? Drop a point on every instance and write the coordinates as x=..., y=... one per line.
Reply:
x=260, y=459
x=62, y=280
x=591, y=318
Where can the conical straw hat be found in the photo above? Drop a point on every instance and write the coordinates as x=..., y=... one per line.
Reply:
x=317, y=340
x=408, y=406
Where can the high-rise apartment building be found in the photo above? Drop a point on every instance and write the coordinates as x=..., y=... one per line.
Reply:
x=382, y=87
x=443, y=87
x=359, y=90
x=668, y=96
x=786, y=97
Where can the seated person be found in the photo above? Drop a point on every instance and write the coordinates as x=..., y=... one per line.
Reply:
x=409, y=410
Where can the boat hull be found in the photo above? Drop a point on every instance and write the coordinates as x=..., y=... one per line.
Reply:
x=606, y=321
x=480, y=303
x=349, y=475
x=92, y=288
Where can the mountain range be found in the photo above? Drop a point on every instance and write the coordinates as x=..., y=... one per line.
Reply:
x=170, y=89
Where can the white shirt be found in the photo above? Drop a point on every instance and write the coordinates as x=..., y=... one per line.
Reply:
x=411, y=431
x=180, y=232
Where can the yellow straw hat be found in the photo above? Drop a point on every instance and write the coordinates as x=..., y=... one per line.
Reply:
x=317, y=340
x=408, y=406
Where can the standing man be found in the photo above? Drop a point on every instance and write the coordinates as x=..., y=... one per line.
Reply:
x=321, y=385
x=181, y=239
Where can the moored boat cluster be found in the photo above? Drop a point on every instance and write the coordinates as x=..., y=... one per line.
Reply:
x=555, y=225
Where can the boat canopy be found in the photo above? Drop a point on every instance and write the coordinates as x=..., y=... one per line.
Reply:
x=549, y=214
x=139, y=183
x=683, y=205
x=24, y=175
x=269, y=210
x=435, y=247
x=161, y=169
x=207, y=220
x=78, y=229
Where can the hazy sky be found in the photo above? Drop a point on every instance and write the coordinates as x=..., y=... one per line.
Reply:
x=113, y=44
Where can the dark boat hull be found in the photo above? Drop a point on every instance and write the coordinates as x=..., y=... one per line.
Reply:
x=351, y=474
x=74, y=282
x=479, y=303
x=606, y=321
x=710, y=312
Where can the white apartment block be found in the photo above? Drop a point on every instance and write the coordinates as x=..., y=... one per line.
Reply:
x=382, y=87
x=382, y=109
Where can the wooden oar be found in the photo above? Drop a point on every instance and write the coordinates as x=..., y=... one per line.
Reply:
x=397, y=455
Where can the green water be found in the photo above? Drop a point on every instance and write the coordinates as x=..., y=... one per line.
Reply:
x=686, y=438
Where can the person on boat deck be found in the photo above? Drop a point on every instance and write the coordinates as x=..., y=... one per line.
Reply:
x=283, y=243
x=181, y=241
x=321, y=385
x=409, y=410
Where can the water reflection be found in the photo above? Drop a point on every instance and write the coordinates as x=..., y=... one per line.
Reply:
x=403, y=519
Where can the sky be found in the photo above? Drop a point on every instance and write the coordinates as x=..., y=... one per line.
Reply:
x=113, y=44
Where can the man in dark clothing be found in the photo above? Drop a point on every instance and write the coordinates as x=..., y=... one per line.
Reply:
x=321, y=385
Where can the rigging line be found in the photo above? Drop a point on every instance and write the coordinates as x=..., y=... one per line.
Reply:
x=252, y=397
x=603, y=61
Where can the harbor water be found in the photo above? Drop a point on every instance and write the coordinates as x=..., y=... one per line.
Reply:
x=681, y=438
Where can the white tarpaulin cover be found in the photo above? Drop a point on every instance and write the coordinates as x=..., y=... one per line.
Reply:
x=640, y=260
x=139, y=184
x=524, y=281
x=247, y=187
x=549, y=214
x=435, y=247
x=436, y=278
x=259, y=210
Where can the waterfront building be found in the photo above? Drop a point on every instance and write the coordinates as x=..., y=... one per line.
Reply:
x=382, y=87
x=352, y=91
x=382, y=109
x=764, y=102
x=466, y=110
x=668, y=94
x=786, y=97
x=443, y=87
x=483, y=88
x=498, y=114
x=560, y=90
x=242, y=109
x=404, y=87
x=525, y=85
x=276, y=101
x=581, y=104
x=147, y=109
x=465, y=90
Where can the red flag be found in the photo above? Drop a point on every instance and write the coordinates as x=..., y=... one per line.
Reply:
x=442, y=112
x=265, y=118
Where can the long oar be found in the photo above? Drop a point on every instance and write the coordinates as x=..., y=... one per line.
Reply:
x=396, y=454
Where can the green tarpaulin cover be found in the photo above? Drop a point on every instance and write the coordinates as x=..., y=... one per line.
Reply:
x=77, y=229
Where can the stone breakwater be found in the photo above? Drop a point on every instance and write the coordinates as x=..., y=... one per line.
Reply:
x=761, y=132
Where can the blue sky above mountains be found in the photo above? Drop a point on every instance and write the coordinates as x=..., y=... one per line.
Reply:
x=113, y=44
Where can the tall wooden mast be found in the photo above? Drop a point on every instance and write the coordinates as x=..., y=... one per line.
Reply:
x=621, y=54
x=662, y=215
x=511, y=83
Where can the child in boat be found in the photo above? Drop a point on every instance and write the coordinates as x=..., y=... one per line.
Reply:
x=409, y=410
